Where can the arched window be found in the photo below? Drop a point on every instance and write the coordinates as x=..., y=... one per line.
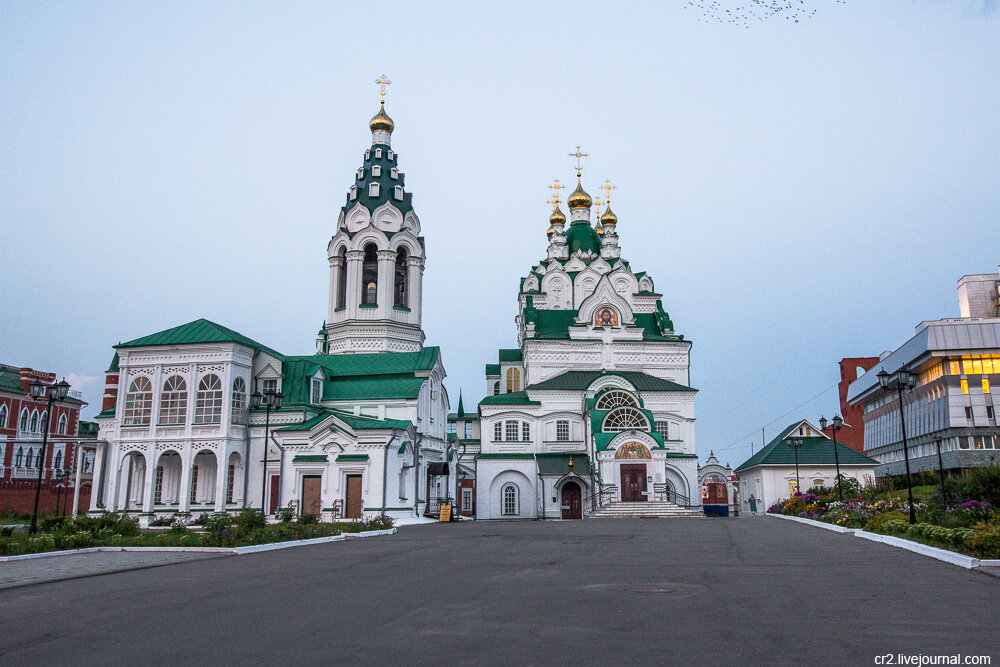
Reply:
x=369, y=275
x=63, y=425
x=138, y=402
x=624, y=419
x=208, y=401
x=174, y=401
x=33, y=427
x=38, y=459
x=23, y=423
x=400, y=293
x=19, y=457
x=43, y=422
x=57, y=462
x=496, y=388
x=615, y=398
x=509, y=495
x=513, y=379
x=239, y=401
x=3, y=416
x=342, y=279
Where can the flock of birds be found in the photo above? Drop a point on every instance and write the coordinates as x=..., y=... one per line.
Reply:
x=745, y=12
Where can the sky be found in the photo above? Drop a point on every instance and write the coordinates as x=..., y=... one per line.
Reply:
x=799, y=191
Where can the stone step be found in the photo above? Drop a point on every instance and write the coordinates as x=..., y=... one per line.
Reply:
x=660, y=509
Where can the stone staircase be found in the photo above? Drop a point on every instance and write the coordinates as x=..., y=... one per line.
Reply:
x=657, y=509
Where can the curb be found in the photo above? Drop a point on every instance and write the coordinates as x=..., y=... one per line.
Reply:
x=817, y=524
x=257, y=548
x=370, y=533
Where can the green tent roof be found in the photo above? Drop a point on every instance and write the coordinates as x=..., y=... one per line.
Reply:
x=379, y=156
x=199, y=331
x=580, y=380
x=11, y=381
x=510, y=398
x=814, y=451
x=553, y=464
x=510, y=355
x=113, y=368
x=492, y=369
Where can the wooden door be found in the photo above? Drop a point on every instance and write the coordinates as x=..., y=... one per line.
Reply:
x=275, y=488
x=311, y=502
x=633, y=482
x=572, y=507
x=353, y=502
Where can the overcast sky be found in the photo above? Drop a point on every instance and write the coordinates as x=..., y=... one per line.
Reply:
x=799, y=191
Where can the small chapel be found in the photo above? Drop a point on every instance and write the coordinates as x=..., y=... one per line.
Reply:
x=200, y=418
x=592, y=414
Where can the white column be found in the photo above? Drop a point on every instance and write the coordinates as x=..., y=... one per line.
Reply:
x=335, y=262
x=110, y=479
x=187, y=460
x=220, y=484
x=386, y=264
x=355, y=261
x=78, y=450
x=148, y=484
x=415, y=274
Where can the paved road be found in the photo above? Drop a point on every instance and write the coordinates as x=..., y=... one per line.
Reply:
x=56, y=568
x=685, y=591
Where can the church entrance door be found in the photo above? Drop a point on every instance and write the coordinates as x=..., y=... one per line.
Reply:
x=311, y=503
x=633, y=482
x=572, y=507
x=353, y=504
x=275, y=489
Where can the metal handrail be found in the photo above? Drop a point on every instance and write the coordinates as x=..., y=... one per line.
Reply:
x=663, y=491
x=599, y=496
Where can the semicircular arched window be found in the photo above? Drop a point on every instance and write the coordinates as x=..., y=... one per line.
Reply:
x=615, y=398
x=239, y=415
x=63, y=425
x=625, y=419
x=208, y=401
x=509, y=497
x=138, y=402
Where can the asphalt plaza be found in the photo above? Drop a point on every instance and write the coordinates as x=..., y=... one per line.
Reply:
x=640, y=591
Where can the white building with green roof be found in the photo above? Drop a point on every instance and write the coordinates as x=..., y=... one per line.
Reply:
x=361, y=429
x=593, y=412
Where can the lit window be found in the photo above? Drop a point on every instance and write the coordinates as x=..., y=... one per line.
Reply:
x=239, y=406
x=316, y=395
x=510, y=500
x=497, y=431
x=373, y=189
x=967, y=366
x=510, y=433
x=138, y=402
x=208, y=401
x=965, y=386
x=954, y=367
x=986, y=385
x=663, y=428
x=562, y=430
x=624, y=419
x=988, y=366
x=513, y=379
x=615, y=398
x=173, y=401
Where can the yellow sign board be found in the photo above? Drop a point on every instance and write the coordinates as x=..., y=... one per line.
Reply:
x=445, y=513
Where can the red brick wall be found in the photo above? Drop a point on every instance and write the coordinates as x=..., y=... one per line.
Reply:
x=19, y=498
x=853, y=433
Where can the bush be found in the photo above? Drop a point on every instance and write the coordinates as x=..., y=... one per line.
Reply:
x=286, y=514
x=308, y=518
x=983, y=541
x=983, y=484
x=163, y=520
x=877, y=523
x=249, y=519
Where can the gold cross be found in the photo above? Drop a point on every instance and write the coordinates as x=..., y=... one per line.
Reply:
x=382, y=83
x=607, y=187
x=597, y=205
x=557, y=187
x=554, y=201
x=578, y=155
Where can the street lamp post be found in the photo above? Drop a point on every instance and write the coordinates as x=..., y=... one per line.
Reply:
x=269, y=400
x=795, y=443
x=902, y=380
x=57, y=391
x=838, y=424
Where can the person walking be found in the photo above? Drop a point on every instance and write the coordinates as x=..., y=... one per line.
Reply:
x=753, y=505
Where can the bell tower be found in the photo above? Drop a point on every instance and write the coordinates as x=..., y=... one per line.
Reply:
x=376, y=256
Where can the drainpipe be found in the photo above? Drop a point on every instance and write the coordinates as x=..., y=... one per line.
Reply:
x=385, y=468
x=416, y=474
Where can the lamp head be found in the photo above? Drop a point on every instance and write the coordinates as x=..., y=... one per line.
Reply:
x=60, y=390
x=837, y=422
x=822, y=423
x=277, y=400
x=907, y=378
x=884, y=379
x=37, y=389
x=255, y=399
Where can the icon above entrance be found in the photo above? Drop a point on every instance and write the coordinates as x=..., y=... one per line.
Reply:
x=633, y=450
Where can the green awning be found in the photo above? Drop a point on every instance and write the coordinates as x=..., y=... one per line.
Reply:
x=310, y=458
x=351, y=457
x=558, y=464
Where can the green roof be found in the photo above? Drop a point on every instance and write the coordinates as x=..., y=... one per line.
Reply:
x=113, y=368
x=11, y=382
x=385, y=180
x=199, y=331
x=110, y=412
x=510, y=398
x=552, y=464
x=580, y=380
x=492, y=369
x=583, y=237
x=356, y=422
x=814, y=451
x=511, y=355
x=352, y=457
x=310, y=458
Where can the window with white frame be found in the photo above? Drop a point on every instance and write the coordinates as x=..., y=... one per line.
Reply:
x=373, y=189
x=466, y=500
x=23, y=423
x=316, y=391
x=173, y=401
x=525, y=431
x=269, y=384
x=19, y=457
x=63, y=425
x=398, y=193
x=3, y=416
x=468, y=429
x=158, y=485
x=452, y=428
x=368, y=154
x=393, y=173
x=354, y=192
x=239, y=406
x=624, y=419
x=57, y=460
x=376, y=171
x=138, y=402
x=34, y=428
x=510, y=431
x=497, y=431
x=663, y=428
x=562, y=430
x=361, y=173
x=194, y=484
x=391, y=154
x=509, y=496
x=208, y=400
x=378, y=152
x=615, y=398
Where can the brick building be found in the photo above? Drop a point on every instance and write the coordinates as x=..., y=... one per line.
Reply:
x=22, y=420
x=853, y=433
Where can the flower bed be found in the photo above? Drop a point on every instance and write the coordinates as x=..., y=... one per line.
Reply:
x=221, y=530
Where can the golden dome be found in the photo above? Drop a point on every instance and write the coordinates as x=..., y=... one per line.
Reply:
x=549, y=232
x=557, y=217
x=609, y=218
x=579, y=198
x=599, y=230
x=381, y=121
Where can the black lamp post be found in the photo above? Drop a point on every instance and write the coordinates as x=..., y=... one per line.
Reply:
x=795, y=443
x=57, y=391
x=838, y=424
x=902, y=380
x=269, y=400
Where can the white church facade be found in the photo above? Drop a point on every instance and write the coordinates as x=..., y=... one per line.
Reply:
x=594, y=407
x=361, y=427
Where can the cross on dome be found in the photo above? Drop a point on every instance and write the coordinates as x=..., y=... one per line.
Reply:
x=607, y=187
x=382, y=82
x=557, y=186
x=578, y=155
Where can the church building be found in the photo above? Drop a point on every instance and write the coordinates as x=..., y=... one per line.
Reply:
x=357, y=428
x=593, y=412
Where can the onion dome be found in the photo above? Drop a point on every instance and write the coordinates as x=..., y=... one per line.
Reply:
x=583, y=237
x=609, y=218
x=599, y=229
x=557, y=217
x=381, y=121
x=579, y=198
